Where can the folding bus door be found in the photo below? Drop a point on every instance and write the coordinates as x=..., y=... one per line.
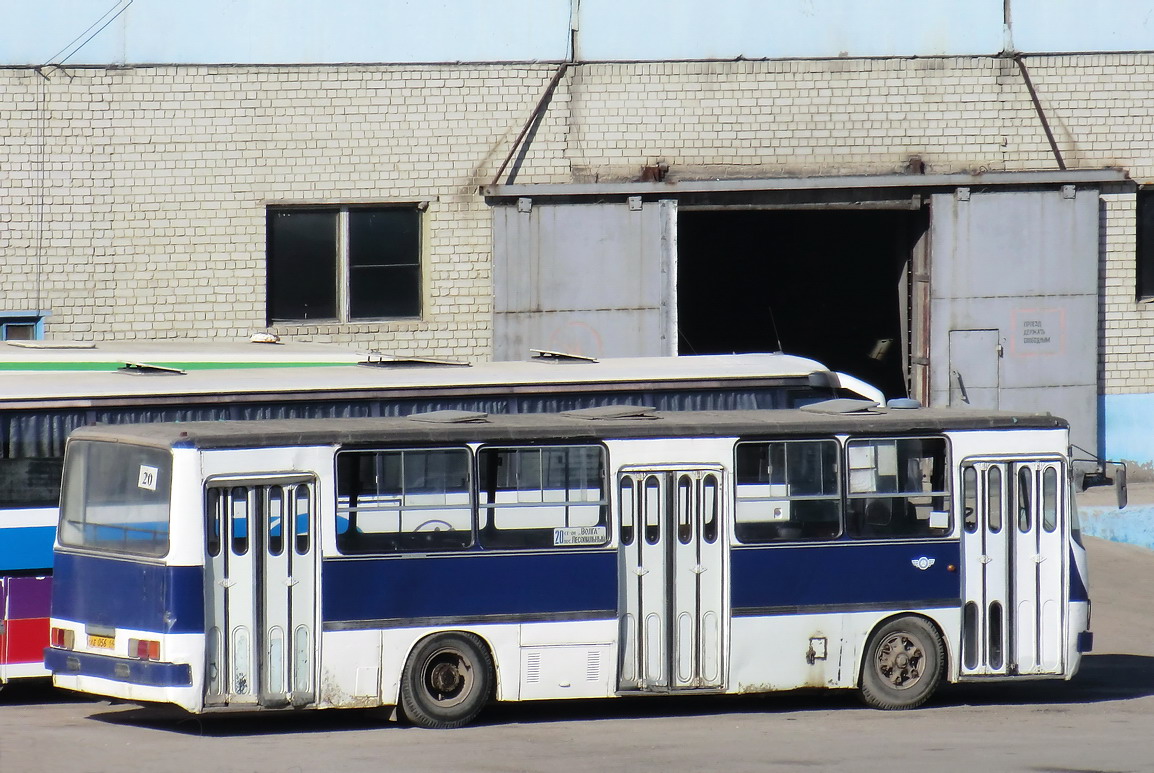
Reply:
x=1014, y=564
x=261, y=595
x=673, y=575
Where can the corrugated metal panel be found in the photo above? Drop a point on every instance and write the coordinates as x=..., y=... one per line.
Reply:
x=1023, y=264
x=591, y=279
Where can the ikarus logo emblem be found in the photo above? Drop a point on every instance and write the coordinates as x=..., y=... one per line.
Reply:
x=923, y=563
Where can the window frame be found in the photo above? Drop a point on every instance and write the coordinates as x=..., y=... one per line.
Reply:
x=342, y=263
x=22, y=319
x=742, y=533
x=526, y=538
x=856, y=526
x=1144, y=244
x=402, y=541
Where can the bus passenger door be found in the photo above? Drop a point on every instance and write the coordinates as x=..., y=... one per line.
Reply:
x=673, y=580
x=1039, y=567
x=1014, y=563
x=261, y=592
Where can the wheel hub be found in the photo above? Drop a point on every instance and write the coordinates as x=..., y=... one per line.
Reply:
x=445, y=677
x=900, y=660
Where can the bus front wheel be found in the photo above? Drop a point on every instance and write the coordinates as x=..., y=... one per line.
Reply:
x=903, y=664
x=447, y=680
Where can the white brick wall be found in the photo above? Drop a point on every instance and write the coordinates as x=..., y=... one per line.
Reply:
x=132, y=201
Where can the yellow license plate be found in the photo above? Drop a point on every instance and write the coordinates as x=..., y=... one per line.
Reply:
x=101, y=642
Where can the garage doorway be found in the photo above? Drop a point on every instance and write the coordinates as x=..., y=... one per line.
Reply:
x=834, y=285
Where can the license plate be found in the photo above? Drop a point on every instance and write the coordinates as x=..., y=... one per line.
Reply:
x=101, y=642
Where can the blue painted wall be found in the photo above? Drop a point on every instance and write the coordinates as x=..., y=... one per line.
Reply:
x=1126, y=428
x=34, y=32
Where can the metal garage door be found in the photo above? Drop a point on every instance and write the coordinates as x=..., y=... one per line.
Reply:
x=591, y=279
x=1014, y=302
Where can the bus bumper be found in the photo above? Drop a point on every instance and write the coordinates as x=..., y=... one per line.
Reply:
x=150, y=673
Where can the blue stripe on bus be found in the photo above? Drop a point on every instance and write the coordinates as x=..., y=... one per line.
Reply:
x=844, y=575
x=1078, y=590
x=26, y=547
x=68, y=663
x=469, y=586
x=128, y=594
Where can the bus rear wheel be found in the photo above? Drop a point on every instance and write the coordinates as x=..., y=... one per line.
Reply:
x=447, y=681
x=903, y=664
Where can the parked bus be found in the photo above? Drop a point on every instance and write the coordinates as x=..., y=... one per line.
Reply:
x=439, y=561
x=48, y=390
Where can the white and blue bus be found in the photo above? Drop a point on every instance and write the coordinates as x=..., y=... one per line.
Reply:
x=441, y=560
x=48, y=389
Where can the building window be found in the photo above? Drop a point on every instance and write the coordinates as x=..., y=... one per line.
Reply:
x=1145, y=256
x=339, y=264
x=21, y=326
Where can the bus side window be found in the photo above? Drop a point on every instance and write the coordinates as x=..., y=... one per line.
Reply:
x=543, y=497
x=898, y=487
x=970, y=498
x=213, y=515
x=302, y=519
x=238, y=520
x=626, y=510
x=403, y=500
x=787, y=490
x=274, y=517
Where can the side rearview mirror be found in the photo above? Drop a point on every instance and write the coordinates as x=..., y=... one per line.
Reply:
x=1120, y=484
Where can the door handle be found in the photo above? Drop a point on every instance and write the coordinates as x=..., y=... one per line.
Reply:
x=699, y=569
x=640, y=571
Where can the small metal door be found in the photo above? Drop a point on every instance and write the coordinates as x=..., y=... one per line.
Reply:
x=974, y=378
x=261, y=597
x=1014, y=563
x=673, y=576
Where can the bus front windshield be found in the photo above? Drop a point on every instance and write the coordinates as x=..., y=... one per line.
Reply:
x=115, y=498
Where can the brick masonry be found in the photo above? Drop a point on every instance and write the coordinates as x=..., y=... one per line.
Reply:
x=132, y=200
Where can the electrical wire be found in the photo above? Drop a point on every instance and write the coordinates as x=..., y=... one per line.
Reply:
x=119, y=7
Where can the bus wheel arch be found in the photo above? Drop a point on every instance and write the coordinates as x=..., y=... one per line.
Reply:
x=447, y=679
x=903, y=663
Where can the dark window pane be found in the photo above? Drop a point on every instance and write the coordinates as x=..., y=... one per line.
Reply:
x=19, y=331
x=302, y=264
x=384, y=263
x=384, y=237
x=1145, y=257
x=384, y=291
x=30, y=482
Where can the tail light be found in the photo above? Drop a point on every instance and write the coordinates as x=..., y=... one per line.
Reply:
x=62, y=638
x=144, y=649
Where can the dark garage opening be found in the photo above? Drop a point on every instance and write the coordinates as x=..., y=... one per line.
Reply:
x=826, y=284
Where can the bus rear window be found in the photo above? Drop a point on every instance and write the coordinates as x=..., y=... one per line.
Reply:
x=116, y=498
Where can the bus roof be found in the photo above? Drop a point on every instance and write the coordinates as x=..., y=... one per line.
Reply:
x=181, y=354
x=457, y=426
x=399, y=379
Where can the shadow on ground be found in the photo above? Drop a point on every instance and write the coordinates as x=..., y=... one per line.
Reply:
x=1102, y=678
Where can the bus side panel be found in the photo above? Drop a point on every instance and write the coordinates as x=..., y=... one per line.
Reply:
x=26, y=539
x=472, y=588
x=24, y=609
x=511, y=600
x=817, y=604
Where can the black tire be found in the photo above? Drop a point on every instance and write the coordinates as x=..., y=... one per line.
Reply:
x=903, y=664
x=447, y=681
